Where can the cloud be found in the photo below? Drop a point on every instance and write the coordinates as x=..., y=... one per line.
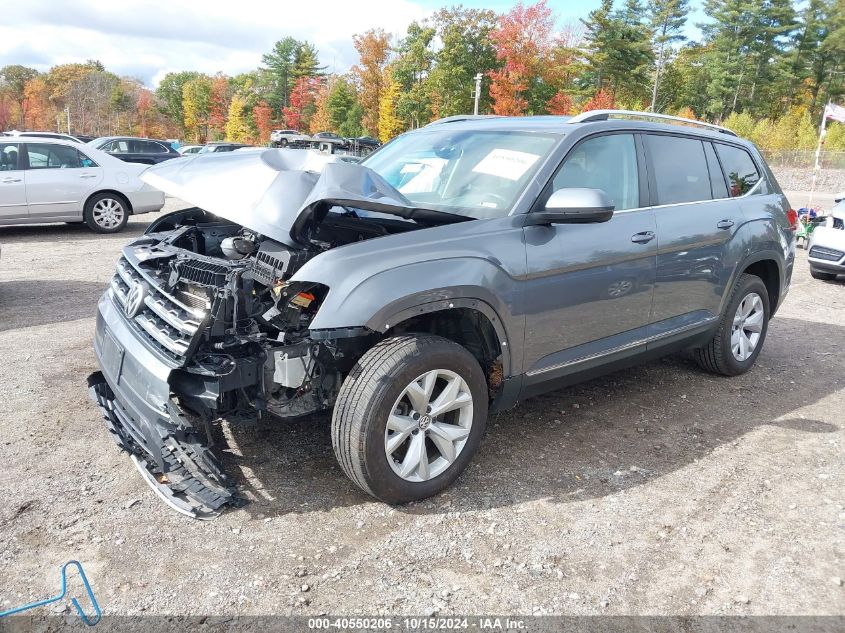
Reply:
x=147, y=38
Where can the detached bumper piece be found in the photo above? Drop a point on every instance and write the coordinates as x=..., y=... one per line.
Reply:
x=177, y=463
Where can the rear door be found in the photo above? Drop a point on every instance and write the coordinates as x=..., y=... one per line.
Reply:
x=696, y=222
x=589, y=288
x=12, y=183
x=59, y=179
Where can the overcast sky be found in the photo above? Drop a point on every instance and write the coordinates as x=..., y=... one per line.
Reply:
x=148, y=38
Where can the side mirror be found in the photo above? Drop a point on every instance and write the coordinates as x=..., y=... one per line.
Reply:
x=573, y=206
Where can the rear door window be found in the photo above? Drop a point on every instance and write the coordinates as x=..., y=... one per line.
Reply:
x=680, y=169
x=739, y=168
x=52, y=156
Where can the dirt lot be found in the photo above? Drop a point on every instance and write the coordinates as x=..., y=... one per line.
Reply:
x=659, y=490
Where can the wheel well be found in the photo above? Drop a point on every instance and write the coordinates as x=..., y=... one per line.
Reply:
x=767, y=270
x=467, y=327
x=114, y=193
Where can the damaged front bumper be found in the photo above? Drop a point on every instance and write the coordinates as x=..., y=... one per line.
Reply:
x=168, y=447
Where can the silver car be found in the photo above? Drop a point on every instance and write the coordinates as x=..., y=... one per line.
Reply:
x=827, y=246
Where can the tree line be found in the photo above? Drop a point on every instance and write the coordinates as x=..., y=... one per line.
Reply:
x=767, y=67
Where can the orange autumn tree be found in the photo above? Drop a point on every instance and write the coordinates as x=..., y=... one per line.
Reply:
x=522, y=43
x=143, y=104
x=218, y=106
x=302, y=106
x=262, y=116
x=373, y=49
x=560, y=103
x=602, y=100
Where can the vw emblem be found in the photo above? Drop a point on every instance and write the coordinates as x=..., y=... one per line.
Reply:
x=135, y=300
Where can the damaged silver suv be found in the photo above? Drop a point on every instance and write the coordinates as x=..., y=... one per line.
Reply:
x=462, y=267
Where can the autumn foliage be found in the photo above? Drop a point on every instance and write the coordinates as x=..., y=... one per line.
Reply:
x=602, y=100
x=521, y=44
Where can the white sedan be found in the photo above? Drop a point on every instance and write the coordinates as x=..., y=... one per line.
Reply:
x=50, y=180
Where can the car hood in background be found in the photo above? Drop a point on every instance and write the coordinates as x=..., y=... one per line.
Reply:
x=275, y=192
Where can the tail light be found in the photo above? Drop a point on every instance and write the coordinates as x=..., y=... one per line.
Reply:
x=792, y=216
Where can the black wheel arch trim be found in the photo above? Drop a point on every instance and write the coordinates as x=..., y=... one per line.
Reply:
x=383, y=321
x=753, y=258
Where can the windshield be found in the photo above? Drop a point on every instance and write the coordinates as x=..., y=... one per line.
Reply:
x=473, y=173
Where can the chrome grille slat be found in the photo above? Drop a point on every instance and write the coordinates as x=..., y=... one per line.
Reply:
x=177, y=346
x=171, y=316
x=164, y=323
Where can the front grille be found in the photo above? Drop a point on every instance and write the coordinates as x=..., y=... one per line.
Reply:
x=827, y=254
x=163, y=322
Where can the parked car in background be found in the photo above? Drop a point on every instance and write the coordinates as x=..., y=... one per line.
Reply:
x=52, y=180
x=187, y=150
x=827, y=245
x=58, y=135
x=222, y=146
x=284, y=138
x=135, y=150
x=364, y=144
x=85, y=138
x=331, y=137
x=465, y=266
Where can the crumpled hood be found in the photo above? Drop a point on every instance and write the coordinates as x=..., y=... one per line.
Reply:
x=275, y=192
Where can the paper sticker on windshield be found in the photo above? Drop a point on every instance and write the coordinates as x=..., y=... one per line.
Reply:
x=506, y=163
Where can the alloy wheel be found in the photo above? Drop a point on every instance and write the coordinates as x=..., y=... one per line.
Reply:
x=108, y=213
x=747, y=326
x=429, y=425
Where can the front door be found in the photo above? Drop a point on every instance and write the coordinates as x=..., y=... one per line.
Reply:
x=589, y=287
x=58, y=180
x=12, y=183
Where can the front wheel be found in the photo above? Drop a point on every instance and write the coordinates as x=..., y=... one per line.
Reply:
x=409, y=417
x=106, y=213
x=741, y=332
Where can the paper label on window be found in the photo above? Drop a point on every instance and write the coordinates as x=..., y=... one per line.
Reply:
x=506, y=163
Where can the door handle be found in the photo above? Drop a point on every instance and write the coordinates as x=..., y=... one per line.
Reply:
x=88, y=176
x=11, y=180
x=642, y=238
x=724, y=224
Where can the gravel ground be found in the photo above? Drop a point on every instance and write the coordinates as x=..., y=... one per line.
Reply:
x=658, y=490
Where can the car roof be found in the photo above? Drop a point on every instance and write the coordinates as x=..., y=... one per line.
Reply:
x=128, y=138
x=560, y=125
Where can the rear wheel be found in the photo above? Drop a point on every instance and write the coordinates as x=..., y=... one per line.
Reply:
x=106, y=213
x=741, y=332
x=818, y=274
x=409, y=417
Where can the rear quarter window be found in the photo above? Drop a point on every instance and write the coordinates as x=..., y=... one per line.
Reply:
x=739, y=168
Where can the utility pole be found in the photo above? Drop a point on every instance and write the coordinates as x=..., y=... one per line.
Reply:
x=67, y=113
x=477, y=92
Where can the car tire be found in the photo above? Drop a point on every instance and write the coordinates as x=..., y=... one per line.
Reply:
x=283, y=143
x=106, y=213
x=823, y=276
x=728, y=352
x=378, y=388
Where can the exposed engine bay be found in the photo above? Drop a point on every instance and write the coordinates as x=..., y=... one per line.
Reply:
x=254, y=343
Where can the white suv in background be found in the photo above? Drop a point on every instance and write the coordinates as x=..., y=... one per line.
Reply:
x=283, y=138
x=50, y=180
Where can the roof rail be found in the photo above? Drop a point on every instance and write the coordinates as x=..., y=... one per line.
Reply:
x=463, y=117
x=604, y=115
